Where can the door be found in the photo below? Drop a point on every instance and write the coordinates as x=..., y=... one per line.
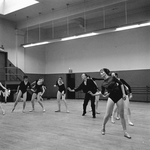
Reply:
x=71, y=83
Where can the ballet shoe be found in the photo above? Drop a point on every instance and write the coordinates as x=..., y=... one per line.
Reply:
x=31, y=110
x=112, y=120
x=57, y=111
x=117, y=118
x=94, y=116
x=131, y=124
x=103, y=131
x=3, y=112
x=67, y=111
x=97, y=112
x=127, y=135
x=44, y=110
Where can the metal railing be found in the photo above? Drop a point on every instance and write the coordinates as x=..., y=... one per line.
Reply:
x=13, y=74
x=138, y=92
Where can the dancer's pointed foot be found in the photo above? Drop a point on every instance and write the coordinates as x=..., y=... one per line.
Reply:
x=112, y=120
x=57, y=111
x=117, y=118
x=127, y=135
x=3, y=112
x=131, y=124
x=103, y=131
x=31, y=110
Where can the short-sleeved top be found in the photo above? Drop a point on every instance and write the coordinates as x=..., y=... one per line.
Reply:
x=111, y=84
x=61, y=87
x=23, y=87
x=89, y=86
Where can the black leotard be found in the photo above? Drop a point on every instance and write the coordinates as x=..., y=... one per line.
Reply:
x=38, y=88
x=113, y=86
x=23, y=87
x=61, y=87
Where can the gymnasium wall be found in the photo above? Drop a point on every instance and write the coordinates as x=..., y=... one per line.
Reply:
x=125, y=50
x=137, y=79
x=34, y=60
x=11, y=40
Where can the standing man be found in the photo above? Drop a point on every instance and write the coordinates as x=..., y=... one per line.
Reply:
x=86, y=86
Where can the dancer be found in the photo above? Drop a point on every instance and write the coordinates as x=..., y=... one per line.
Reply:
x=2, y=88
x=128, y=93
x=22, y=92
x=86, y=86
x=61, y=94
x=97, y=97
x=38, y=89
x=117, y=95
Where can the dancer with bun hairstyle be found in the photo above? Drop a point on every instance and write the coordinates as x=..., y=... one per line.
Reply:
x=117, y=95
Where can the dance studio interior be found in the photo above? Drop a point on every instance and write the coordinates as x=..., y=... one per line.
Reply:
x=53, y=39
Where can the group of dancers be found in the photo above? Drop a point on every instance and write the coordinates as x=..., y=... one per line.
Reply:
x=116, y=89
x=37, y=89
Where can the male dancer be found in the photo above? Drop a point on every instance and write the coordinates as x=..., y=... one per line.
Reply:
x=86, y=86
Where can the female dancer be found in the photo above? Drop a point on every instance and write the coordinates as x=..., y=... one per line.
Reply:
x=22, y=91
x=38, y=91
x=128, y=93
x=1, y=91
x=116, y=95
x=61, y=94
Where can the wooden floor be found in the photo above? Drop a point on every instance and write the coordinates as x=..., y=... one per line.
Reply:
x=71, y=131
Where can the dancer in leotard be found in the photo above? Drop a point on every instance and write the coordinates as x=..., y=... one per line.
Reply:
x=61, y=94
x=128, y=93
x=117, y=95
x=38, y=91
x=22, y=92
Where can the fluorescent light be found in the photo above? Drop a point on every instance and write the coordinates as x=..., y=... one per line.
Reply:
x=35, y=44
x=145, y=24
x=89, y=34
x=79, y=36
x=127, y=27
x=133, y=26
x=40, y=43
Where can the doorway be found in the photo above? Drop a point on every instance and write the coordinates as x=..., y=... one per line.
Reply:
x=71, y=83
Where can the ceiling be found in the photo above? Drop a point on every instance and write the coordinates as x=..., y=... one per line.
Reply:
x=44, y=11
x=46, y=6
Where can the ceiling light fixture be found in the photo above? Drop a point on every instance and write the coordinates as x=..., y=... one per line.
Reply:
x=79, y=36
x=144, y=24
x=133, y=26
